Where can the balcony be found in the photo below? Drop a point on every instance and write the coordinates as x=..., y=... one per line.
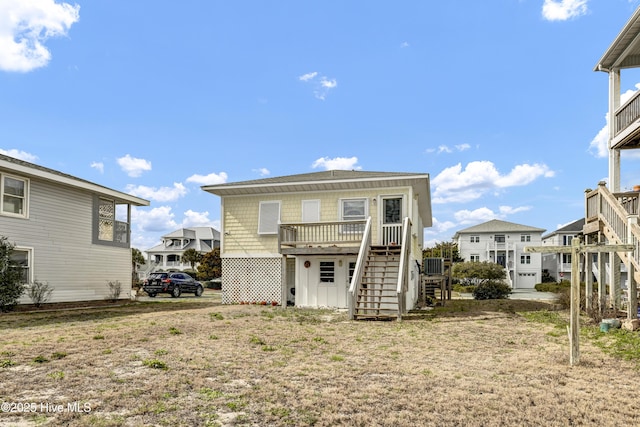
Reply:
x=626, y=126
x=316, y=238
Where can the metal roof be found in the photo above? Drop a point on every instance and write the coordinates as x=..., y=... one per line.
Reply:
x=32, y=170
x=498, y=226
x=334, y=180
x=624, y=52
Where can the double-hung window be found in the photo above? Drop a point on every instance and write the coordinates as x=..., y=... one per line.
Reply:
x=353, y=210
x=111, y=223
x=15, y=196
x=525, y=259
x=22, y=258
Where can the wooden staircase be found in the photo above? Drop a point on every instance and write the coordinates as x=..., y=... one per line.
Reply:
x=377, y=297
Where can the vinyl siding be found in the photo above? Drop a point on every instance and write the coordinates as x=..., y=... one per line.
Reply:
x=59, y=231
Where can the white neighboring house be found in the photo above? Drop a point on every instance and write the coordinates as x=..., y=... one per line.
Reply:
x=558, y=265
x=70, y=233
x=167, y=256
x=503, y=243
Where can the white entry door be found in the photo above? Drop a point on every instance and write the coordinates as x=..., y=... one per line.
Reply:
x=392, y=212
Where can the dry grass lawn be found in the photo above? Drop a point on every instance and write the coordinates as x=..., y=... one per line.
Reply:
x=194, y=362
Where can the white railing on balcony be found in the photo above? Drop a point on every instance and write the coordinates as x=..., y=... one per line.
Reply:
x=356, y=278
x=403, y=273
x=314, y=233
x=391, y=234
x=627, y=113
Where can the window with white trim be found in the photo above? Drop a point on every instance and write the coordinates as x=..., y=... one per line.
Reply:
x=525, y=237
x=22, y=258
x=353, y=210
x=474, y=258
x=525, y=259
x=15, y=196
x=474, y=239
x=269, y=217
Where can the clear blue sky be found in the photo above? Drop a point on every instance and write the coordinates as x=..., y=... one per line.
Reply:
x=497, y=100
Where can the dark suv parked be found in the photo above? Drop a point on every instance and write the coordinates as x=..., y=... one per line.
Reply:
x=171, y=283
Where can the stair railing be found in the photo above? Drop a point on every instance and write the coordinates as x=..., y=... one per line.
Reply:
x=356, y=279
x=403, y=268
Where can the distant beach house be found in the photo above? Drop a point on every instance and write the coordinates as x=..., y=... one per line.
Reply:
x=167, y=256
x=503, y=243
x=70, y=233
x=345, y=239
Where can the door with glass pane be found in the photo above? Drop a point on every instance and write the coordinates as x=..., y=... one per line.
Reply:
x=391, y=216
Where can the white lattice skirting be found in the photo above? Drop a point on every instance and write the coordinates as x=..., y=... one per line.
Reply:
x=251, y=280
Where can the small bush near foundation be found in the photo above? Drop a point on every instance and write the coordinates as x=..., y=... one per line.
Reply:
x=11, y=281
x=491, y=290
x=39, y=293
x=554, y=287
x=115, y=288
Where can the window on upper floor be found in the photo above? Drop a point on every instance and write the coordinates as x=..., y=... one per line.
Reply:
x=15, y=196
x=499, y=238
x=310, y=210
x=111, y=223
x=474, y=239
x=566, y=240
x=525, y=237
x=269, y=217
x=353, y=210
x=525, y=259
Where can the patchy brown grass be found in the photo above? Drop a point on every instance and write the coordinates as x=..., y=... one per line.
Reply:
x=193, y=362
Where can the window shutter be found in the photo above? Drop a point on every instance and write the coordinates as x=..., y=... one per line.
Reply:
x=310, y=210
x=269, y=217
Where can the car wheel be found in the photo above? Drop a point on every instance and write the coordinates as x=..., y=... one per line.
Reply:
x=199, y=291
x=151, y=294
x=175, y=293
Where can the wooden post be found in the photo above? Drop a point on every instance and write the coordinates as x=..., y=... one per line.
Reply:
x=574, y=324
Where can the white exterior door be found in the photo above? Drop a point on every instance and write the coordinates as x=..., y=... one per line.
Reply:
x=327, y=282
x=392, y=212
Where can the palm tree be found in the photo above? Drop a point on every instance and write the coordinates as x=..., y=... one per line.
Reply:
x=192, y=257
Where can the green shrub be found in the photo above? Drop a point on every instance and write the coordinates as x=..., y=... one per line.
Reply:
x=39, y=293
x=463, y=289
x=491, y=290
x=11, y=280
x=554, y=287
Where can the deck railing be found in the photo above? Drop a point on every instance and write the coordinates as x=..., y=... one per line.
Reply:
x=356, y=278
x=618, y=213
x=627, y=113
x=403, y=273
x=313, y=233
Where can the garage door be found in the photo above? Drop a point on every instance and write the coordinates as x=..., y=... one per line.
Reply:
x=526, y=281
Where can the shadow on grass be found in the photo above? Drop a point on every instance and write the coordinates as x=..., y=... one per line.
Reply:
x=100, y=311
x=473, y=308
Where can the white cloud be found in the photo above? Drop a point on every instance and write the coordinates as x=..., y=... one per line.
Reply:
x=263, y=171
x=404, y=44
x=19, y=154
x=211, y=179
x=448, y=150
x=162, y=194
x=463, y=147
x=454, y=184
x=562, y=10
x=134, y=167
x=322, y=85
x=196, y=219
x=439, y=227
x=444, y=149
x=24, y=27
x=337, y=163
x=484, y=214
x=98, y=166
x=158, y=219
x=308, y=76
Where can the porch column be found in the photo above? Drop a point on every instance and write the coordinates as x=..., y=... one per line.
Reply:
x=632, y=304
x=602, y=280
x=614, y=155
x=588, y=278
x=614, y=279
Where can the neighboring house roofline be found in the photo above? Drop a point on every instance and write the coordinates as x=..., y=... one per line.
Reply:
x=333, y=180
x=29, y=169
x=498, y=226
x=572, y=228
